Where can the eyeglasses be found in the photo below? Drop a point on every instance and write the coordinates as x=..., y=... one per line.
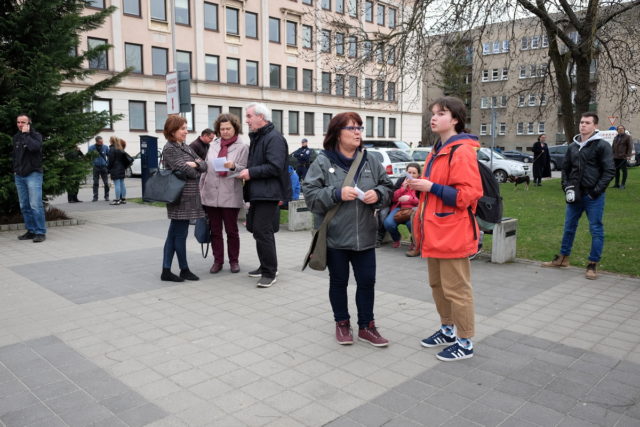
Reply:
x=354, y=128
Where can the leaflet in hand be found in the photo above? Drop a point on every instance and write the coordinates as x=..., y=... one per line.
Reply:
x=360, y=193
x=218, y=164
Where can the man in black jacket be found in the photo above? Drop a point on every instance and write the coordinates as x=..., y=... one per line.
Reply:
x=201, y=144
x=586, y=173
x=27, y=169
x=622, y=150
x=266, y=184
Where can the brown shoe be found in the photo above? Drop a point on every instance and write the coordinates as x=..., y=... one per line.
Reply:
x=412, y=252
x=215, y=268
x=558, y=261
x=371, y=335
x=591, y=273
x=344, y=336
x=235, y=267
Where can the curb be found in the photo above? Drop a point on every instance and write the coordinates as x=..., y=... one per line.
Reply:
x=57, y=223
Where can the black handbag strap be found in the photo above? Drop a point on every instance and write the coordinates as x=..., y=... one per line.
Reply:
x=347, y=181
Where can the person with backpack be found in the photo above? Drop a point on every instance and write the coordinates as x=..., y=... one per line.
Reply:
x=445, y=228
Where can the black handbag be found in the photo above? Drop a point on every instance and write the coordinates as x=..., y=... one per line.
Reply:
x=164, y=186
x=202, y=233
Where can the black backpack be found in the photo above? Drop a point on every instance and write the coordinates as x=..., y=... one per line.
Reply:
x=489, y=207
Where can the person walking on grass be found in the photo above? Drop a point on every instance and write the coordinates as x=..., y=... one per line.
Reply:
x=587, y=170
x=622, y=150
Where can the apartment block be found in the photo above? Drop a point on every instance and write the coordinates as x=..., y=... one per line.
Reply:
x=288, y=54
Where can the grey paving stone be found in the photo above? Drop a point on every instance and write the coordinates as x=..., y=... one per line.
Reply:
x=516, y=422
x=436, y=378
x=16, y=402
x=600, y=359
x=54, y=390
x=70, y=401
x=565, y=350
x=516, y=388
x=467, y=389
x=448, y=401
x=85, y=415
x=26, y=416
x=401, y=421
x=626, y=421
x=588, y=379
x=343, y=422
x=427, y=414
x=595, y=414
x=610, y=401
x=484, y=415
x=501, y=401
x=142, y=415
x=371, y=415
x=13, y=386
x=567, y=387
x=629, y=378
x=539, y=414
x=570, y=421
x=483, y=378
x=634, y=411
x=50, y=422
x=395, y=402
x=43, y=378
x=556, y=401
x=112, y=421
x=532, y=376
x=416, y=389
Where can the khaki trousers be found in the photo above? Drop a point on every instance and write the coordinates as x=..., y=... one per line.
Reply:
x=450, y=281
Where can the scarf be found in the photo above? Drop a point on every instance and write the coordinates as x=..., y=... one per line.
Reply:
x=224, y=149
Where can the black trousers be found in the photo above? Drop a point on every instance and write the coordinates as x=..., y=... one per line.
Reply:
x=263, y=216
x=621, y=165
x=100, y=172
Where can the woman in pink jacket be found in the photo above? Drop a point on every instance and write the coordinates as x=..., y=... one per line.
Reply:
x=403, y=197
x=221, y=194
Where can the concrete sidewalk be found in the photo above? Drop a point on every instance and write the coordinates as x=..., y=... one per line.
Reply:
x=89, y=335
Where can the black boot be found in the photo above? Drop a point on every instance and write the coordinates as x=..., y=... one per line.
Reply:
x=168, y=276
x=188, y=275
x=75, y=199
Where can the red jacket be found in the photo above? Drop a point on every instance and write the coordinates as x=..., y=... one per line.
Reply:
x=404, y=191
x=442, y=226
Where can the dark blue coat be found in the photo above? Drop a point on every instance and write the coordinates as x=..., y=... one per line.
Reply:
x=268, y=168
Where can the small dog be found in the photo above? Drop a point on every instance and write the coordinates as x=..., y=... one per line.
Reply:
x=520, y=180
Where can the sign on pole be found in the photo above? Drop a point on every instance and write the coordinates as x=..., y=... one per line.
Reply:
x=173, y=93
x=612, y=120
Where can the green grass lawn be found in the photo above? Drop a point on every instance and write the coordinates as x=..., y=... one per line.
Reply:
x=142, y=202
x=540, y=214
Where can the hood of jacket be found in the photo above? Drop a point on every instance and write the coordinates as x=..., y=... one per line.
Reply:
x=596, y=135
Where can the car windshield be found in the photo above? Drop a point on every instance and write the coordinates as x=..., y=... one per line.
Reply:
x=376, y=155
x=398, y=156
x=402, y=145
x=420, y=155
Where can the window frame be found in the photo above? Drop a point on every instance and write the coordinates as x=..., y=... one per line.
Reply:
x=392, y=129
x=190, y=61
x=307, y=80
x=381, y=123
x=291, y=120
x=217, y=18
x=273, y=67
x=246, y=28
x=110, y=103
x=164, y=8
x=166, y=60
x=295, y=33
x=229, y=61
x=227, y=11
x=159, y=124
x=295, y=77
x=144, y=115
x=137, y=15
x=278, y=34
x=106, y=53
x=206, y=67
x=307, y=43
x=339, y=44
x=392, y=23
x=257, y=69
x=175, y=14
x=381, y=18
x=309, y=125
x=325, y=83
x=340, y=84
x=140, y=51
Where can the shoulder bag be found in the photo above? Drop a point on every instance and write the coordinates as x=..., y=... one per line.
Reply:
x=202, y=233
x=164, y=186
x=316, y=257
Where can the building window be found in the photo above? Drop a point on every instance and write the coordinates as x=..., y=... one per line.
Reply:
x=274, y=30
x=326, y=119
x=353, y=8
x=521, y=100
x=486, y=48
x=274, y=76
x=495, y=74
x=533, y=70
x=252, y=73
x=368, y=11
x=530, y=128
x=484, y=103
x=326, y=82
x=380, y=14
x=325, y=41
x=97, y=4
x=353, y=47
x=505, y=45
x=189, y=117
x=380, y=90
x=368, y=127
x=182, y=12
x=367, y=50
x=496, y=47
x=502, y=130
x=276, y=119
x=368, y=88
x=543, y=99
x=292, y=33
x=325, y=4
x=392, y=123
x=133, y=57
x=307, y=37
x=251, y=25
x=505, y=74
x=100, y=62
x=308, y=123
x=380, y=53
x=524, y=43
x=211, y=16
x=391, y=91
x=381, y=123
x=392, y=24
x=520, y=128
x=159, y=61
x=233, y=70
x=213, y=111
x=485, y=75
x=158, y=10
x=391, y=56
x=236, y=111
x=183, y=60
x=535, y=42
x=309, y=2
x=523, y=71
x=340, y=84
x=307, y=80
x=340, y=44
x=103, y=105
x=131, y=7
x=340, y=6
x=545, y=41
x=353, y=86
x=532, y=100
x=292, y=78
x=160, y=115
x=212, y=68
x=137, y=115
x=294, y=122
x=233, y=15
x=483, y=129
x=541, y=127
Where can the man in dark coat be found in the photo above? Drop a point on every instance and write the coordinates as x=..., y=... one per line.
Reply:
x=622, y=150
x=99, y=153
x=303, y=156
x=201, y=144
x=266, y=184
x=27, y=172
x=541, y=160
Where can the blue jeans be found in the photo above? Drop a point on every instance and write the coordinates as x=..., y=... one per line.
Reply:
x=30, y=195
x=391, y=225
x=176, y=243
x=594, y=210
x=364, y=270
x=121, y=190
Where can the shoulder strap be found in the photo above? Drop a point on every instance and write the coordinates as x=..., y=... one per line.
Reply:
x=347, y=181
x=453, y=150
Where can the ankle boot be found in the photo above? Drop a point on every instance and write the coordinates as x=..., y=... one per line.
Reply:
x=557, y=261
x=168, y=276
x=188, y=275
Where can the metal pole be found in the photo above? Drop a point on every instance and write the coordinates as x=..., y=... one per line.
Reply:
x=494, y=115
x=173, y=33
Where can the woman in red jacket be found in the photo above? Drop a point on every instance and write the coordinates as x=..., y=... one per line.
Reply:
x=403, y=197
x=445, y=226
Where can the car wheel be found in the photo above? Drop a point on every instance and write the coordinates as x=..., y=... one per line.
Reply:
x=553, y=165
x=128, y=173
x=500, y=175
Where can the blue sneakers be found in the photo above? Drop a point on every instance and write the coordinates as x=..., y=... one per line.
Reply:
x=454, y=352
x=437, y=339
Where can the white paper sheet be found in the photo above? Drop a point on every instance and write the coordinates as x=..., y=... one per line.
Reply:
x=360, y=193
x=218, y=164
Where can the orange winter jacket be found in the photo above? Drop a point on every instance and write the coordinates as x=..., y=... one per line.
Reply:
x=443, y=226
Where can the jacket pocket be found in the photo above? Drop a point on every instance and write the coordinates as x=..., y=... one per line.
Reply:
x=443, y=214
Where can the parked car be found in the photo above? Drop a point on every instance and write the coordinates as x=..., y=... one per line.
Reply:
x=314, y=153
x=502, y=167
x=635, y=155
x=517, y=155
x=557, y=152
x=136, y=167
x=383, y=143
x=393, y=160
x=419, y=154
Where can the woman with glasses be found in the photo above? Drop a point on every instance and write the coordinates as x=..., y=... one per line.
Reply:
x=351, y=234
